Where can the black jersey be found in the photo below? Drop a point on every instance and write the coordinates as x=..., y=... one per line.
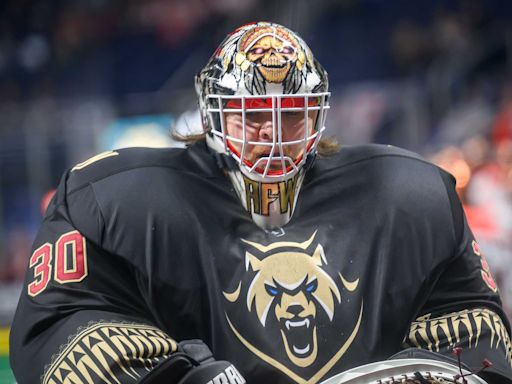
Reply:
x=143, y=248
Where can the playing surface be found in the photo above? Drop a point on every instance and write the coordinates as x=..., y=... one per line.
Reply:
x=6, y=376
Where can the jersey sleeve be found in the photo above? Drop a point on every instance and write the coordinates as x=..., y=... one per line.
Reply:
x=463, y=308
x=82, y=317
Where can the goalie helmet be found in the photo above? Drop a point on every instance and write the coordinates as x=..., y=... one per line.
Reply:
x=263, y=100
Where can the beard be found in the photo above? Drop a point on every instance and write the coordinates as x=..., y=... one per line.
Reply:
x=260, y=151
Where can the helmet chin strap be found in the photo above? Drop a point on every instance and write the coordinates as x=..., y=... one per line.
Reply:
x=270, y=204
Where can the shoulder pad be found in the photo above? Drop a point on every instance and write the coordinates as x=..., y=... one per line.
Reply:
x=351, y=154
x=110, y=163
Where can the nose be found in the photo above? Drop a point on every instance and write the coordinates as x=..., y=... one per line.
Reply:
x=295, y=309
x=266, y=131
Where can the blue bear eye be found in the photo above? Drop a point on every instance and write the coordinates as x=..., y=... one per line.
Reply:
x=271, y=290
x=311, y=287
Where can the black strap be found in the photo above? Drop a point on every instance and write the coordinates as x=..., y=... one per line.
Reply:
x=171, y=370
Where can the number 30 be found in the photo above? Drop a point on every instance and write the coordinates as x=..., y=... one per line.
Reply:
x=70, y=262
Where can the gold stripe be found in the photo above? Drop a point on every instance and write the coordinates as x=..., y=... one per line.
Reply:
x=4, y=341
x=94, y=159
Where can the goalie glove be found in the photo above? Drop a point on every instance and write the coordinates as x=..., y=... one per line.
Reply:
x=411, y=366
x=193, y=363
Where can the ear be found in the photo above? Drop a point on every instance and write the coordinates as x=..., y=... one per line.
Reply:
x=319, y=256
x=252, y=261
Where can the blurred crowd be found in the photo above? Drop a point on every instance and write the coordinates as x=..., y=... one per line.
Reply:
x=431, y=76
x=482, y=166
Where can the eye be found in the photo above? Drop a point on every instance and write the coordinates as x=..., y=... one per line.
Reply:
x=311, y=287
x=293, y=115
x=272, y=291
x=257, y=51
x=287, y=50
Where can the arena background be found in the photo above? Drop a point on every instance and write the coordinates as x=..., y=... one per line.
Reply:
x=81, y=76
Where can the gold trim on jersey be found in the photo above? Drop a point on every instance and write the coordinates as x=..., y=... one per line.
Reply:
x=94, y=159
x=463, y=328
x=114, y=353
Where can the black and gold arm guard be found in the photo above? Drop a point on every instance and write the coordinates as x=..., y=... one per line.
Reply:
x=480, y=334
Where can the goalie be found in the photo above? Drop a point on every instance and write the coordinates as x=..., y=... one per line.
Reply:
x=261, y=253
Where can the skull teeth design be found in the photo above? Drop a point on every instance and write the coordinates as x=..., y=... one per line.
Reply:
x=273, y=68
x=274, y=63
